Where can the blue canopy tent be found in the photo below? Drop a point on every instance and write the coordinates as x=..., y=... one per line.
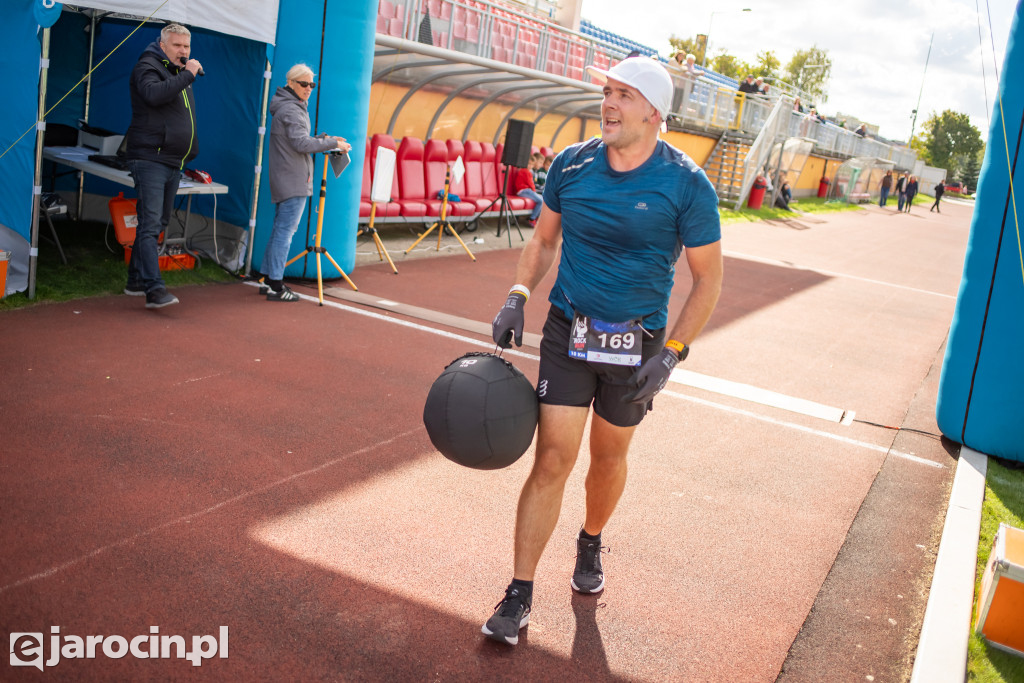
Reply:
x=236, y=44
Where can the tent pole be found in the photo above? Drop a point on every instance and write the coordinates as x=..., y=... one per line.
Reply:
x=259, y=166
x=37, y=182
x=88, y=95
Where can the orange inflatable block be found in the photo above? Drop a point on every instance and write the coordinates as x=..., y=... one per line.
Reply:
x=1001, y=602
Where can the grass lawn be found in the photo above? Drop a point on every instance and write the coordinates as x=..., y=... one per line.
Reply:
x=92, y=269
x=801, y=205
x=1004, y=502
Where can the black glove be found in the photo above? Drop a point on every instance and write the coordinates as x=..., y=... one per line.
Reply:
x=652, y=376
x=509, y=321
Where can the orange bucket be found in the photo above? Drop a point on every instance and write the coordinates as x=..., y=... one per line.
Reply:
x=124, y=217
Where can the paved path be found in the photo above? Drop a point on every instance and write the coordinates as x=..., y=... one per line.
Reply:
x=262, y=466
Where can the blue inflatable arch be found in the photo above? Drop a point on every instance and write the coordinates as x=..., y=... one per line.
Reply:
x=981, y=390
x=335, y=38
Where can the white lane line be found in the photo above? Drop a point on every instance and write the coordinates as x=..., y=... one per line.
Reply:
x=803, y=428
x=754, y=394
x=740, y=411
x=201, y=513
x=832, y=273
x=694, y=379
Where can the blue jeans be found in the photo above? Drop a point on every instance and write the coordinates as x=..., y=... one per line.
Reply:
x=538, y=201
x=286, y=221
x=156, y=185
x=902, y=199
x=885, y=196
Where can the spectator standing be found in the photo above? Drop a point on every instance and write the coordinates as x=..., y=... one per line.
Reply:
x=691, y=66
x=901, y=191
x=291, y=172
x=885, y=188
x=160, y=140
x=862, y=130
x=940, y=187
x=748, y=85
x=797, y=107
x=911, y=191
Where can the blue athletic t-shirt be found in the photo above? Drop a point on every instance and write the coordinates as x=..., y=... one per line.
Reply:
x=623, y=232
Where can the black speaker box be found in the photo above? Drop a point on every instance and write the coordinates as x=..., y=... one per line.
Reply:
x=518, y=142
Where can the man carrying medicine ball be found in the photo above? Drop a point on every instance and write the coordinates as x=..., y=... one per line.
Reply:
x=622, y=209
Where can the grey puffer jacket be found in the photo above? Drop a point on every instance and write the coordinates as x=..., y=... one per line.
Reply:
x=291, y=167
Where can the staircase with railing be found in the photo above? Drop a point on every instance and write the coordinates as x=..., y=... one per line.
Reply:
x=725, y=165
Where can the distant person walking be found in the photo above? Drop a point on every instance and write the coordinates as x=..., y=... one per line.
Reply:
x=911, y=191
x=901, y=192
x=886, y=187
x=940, y=187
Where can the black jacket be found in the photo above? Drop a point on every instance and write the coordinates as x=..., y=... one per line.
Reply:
x=163, y=127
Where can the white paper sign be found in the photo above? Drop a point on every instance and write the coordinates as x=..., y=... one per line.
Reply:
x=383, y=175
x=458, y=170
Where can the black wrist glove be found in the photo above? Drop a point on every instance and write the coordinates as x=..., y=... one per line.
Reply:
x=509, y=321
x=652, y=376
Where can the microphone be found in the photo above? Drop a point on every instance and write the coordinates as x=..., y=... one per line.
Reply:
x=185, y=61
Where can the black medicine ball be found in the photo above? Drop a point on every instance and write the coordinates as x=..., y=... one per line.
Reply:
x=481, y=412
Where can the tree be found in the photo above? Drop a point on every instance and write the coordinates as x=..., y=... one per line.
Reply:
x=950, y=140
x=690, y=46
x=970, y=171
x=729, y=65
x=767, y=65
x=810, y=70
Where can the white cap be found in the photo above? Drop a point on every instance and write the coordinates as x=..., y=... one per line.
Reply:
x=644, y=74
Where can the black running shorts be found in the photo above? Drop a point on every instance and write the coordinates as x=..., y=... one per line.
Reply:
x=565, y=381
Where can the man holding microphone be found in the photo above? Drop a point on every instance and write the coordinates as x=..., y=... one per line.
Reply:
x=161, y=139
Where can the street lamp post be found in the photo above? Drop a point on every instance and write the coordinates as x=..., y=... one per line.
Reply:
x=707, y=37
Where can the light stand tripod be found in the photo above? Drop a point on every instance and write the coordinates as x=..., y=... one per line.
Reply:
x=316, y=248
x=442, y=223
x=506, y=211
x=382, y=253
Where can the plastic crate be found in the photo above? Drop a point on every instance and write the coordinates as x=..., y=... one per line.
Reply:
x=168, y=261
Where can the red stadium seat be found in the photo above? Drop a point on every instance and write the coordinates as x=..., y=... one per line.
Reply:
x=488, y=172
x=411, y=193
x=435, y=167
x=474, y=180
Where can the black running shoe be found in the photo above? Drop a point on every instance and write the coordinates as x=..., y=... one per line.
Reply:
x=589, y=576
x=283, y=294
x=510, y=615
x=135, y=290
x=159, y=298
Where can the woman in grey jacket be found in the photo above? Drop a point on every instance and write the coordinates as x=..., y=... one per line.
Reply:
x=291, y=171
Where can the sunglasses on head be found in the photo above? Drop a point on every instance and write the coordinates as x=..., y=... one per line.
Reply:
x=306, y=84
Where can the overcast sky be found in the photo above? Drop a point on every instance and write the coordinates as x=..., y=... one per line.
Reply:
x=877, y=47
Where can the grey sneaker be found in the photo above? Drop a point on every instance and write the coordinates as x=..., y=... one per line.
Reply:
x=589, y=576
x=159, y=298
x=135, y=290
x=510, y=615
